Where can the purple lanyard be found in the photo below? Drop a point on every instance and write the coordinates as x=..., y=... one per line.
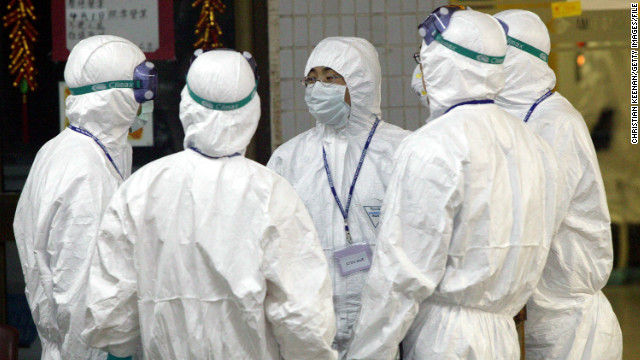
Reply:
x=86, y=133
x=345, y=211
x=472, y=102
x=213, y=157
x=535, y=104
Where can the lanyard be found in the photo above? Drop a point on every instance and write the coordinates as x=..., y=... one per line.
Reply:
x=86, y=133
x=212, y=157
x=535, y=104
x=472, y=102
x=345, y=211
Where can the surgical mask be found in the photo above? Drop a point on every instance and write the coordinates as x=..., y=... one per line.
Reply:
x=146, y=113
x=326, y=104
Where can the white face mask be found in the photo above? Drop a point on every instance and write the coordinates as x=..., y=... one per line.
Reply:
x=326, y=104
x=146, y=113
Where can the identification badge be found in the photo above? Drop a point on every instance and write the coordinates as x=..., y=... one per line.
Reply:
x=353, y=258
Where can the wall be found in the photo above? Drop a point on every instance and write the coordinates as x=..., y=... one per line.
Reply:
x=296, y=26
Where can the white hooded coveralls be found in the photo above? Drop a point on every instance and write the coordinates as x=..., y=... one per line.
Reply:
x=204, y=255
x=69, y=185
x=464, y=235
x=568, y=317
x=300, y=161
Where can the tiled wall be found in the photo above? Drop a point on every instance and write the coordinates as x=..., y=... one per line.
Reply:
x=296, y=26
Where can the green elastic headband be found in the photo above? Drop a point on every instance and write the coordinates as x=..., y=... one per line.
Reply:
x=469, y=53
x=527, y=48
x=118, y=84
x=222, y=106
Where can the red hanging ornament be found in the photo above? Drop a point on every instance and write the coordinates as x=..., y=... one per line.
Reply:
x=207, y=29
x=21, y=59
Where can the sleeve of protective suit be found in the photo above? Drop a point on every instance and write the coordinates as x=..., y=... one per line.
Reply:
x=111, y=321
x=276, y=161
x=299, y=300
x=73, y=225
x=411, y=253
x=588, y=214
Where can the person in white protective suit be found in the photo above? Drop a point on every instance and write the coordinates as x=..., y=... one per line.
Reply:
x=205, y=254
x=70, y=183
x=343, y=94
x=568, y=316
x=469, y=212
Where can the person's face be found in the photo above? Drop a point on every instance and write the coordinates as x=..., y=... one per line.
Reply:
x=327, y=74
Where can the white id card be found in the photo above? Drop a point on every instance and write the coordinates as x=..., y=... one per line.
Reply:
x=353, y=258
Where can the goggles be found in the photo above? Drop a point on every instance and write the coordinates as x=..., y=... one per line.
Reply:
x=225, y=106
x=144, y=83
x=437, y=22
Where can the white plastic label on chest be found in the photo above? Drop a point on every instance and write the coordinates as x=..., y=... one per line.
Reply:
x=353, y=258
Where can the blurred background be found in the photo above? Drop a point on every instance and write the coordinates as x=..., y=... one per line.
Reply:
x=590, y=54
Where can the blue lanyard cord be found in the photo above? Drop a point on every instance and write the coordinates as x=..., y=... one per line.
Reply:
x=472, y=102
x=213, y=157
x=345, y=211
x=535, y=104
x=86, y=133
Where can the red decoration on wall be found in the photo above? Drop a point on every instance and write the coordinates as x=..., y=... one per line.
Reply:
x=23, y=36
x=207, y=29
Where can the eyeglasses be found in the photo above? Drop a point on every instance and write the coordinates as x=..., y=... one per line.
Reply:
x=416, y=57
x=309, y=81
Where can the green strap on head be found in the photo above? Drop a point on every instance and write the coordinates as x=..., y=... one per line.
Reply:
x=118, y=84
x=222, y=106
x=113, y=357
x=469, y=53
x=527, y=48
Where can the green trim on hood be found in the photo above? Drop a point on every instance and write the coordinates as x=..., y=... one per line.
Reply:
x=487, y=59
x=117, y=84
x=223, y=106
x=527, y=48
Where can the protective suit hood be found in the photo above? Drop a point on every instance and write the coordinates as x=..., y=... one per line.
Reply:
x=452, y=78
x=219, y=133
x=527, y=77
x=568, y=316
x=359, y=65
x=106, y=114
x=301, y=161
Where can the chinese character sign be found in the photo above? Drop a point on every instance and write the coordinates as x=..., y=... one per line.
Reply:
x=139, y=21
